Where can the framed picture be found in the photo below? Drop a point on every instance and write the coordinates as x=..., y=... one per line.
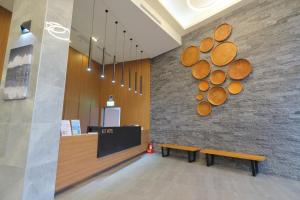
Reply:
x=17, y=74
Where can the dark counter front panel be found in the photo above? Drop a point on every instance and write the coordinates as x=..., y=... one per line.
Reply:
x=115, y=139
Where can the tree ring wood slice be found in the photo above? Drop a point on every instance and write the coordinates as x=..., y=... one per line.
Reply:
x=239, y=69
x=235, y=87
x=206, y=44
x=200, y=96
x=204, y=108
x=223, y=32
x=190, y=56
x=201, y=69
x=223, y=54
x=217, y=77
x=203, y=85
x=217, y=95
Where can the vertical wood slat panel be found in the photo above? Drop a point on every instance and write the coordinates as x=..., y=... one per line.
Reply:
x=85, y=91
x=5, y=19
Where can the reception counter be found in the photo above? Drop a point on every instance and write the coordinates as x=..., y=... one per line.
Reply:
x=78, y=158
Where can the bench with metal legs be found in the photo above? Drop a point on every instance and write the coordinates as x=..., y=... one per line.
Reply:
x=254, y=159
x=191, y=151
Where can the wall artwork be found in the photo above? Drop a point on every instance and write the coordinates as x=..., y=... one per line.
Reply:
x=17, y=74
x=212, y=82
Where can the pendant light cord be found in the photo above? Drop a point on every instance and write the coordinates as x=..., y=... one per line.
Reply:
x=93, y=18
x=124, y=46
x=105, y=27
x=116, y=39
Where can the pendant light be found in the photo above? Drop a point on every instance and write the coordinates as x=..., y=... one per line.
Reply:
x=115, y=52
x=123, y=64
x=90, y=63
x=141, y=76
x=129, y=70
x=104, y=46
x=135, y=74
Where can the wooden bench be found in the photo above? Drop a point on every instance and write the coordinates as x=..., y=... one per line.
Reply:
x=189, y=149
x=254, y=159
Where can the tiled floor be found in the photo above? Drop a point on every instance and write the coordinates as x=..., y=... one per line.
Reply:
x=151, y=177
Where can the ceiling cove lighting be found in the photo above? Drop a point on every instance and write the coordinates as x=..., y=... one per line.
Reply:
x=123, y=64
x=135, y=74
x=115, y=52
x=129, y=70
x=198, y=5
x=90, y=62
x=141, y=76
x=103, y=50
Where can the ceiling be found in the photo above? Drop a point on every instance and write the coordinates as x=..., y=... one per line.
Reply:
x=155, y=25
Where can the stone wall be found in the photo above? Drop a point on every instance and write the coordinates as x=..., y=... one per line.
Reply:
x=265, y=117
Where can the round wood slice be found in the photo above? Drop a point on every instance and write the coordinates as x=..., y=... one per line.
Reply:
x=223, y=54
x=190, y=56
x=223, y=32
x=217, y=95
x=206, y=44
x=235, y=87
x=200, y=96
x=204, y=108
x=203, y=85
x=239, y=69
x=201, y=69
x=217, y=77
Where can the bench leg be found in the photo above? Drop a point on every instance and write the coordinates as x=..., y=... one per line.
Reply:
x=253, y=168
x=256, y=167
x=212, y=162
x=210, y=159
x=163, y=152
x=191, y=156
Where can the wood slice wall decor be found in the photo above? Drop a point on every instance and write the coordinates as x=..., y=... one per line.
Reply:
x=217, y=77
x=190, y=56
x=206, y=44
x=222, y=55
x=203, y=85
x=223, y=32
x=235, y=87
x=200, y=96
x=239, y=69
x=201, y=69
x=204, y=108
x=217, y=95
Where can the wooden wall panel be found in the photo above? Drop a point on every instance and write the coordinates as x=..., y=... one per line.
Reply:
x=5, y=18
x=86, y=92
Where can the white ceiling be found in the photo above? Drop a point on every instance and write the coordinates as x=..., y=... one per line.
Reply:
x=150, y=36
x=155, y=25
x=191, y=12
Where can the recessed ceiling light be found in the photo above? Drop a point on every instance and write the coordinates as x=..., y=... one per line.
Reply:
x=197, y=5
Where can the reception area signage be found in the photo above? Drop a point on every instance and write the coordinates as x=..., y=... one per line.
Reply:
x=115, y=139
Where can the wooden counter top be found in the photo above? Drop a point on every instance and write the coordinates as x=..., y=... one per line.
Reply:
x=78, y=158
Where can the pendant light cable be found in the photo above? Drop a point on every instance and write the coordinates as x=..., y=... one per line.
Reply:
x=115, y=52
x=123, y=64
x=137, y=64
x=129, y=69
x=104, y=45
x=141, y=76
x=89, y=67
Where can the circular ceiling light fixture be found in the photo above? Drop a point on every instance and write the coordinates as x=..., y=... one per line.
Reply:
x=198, y=5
